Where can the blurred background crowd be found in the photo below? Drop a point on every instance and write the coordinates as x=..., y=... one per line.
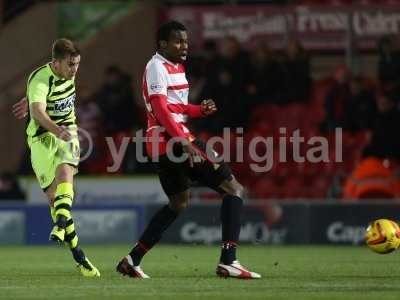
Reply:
x=262, y=89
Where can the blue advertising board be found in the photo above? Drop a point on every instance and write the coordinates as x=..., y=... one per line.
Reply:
x=31, y=224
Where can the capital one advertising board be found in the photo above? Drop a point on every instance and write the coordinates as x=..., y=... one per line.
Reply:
x=346, y=223
x=200, y=224
x=300, y=223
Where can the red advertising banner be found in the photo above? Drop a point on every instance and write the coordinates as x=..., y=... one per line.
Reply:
x=318, y=27
x=247, y=23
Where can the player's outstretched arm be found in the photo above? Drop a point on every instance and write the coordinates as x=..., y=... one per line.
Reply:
x=38, y=112
x=20, y=109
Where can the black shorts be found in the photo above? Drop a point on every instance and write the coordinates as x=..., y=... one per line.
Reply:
x=176, y=177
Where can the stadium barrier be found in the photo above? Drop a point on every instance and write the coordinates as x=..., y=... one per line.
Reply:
x=300, y=223
x=96, y=224
x=103, y=190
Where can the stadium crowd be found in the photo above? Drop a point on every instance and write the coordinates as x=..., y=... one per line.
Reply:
x=262, y=91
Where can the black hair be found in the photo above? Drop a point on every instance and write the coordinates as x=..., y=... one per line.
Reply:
x=165, y=30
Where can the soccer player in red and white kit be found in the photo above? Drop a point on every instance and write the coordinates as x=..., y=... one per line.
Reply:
x=165, y=92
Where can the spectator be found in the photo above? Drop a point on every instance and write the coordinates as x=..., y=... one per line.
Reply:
x=233, y=75
x=117, y=103
x=265, y=77
x=202, y=71
x=371, y=179
x=223, y=93
x=235, y=61
x=389, y=63
x=9, y=188
x=384, y=143
x=297, y=78
x=336, y=99
x=360, y=107
x=211, y=59
x=226, y=87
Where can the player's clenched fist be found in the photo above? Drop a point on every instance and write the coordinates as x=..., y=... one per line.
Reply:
x=64, y=134
x=208, y=107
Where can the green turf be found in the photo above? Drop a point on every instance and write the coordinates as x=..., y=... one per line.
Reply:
x=180, y=272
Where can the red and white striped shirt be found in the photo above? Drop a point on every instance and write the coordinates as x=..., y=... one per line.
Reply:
x=165, y=92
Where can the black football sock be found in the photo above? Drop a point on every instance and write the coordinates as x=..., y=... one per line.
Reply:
x=78, y=254
x=228, y=252
x=153, y=233
x=71, y=238
x=80, y=257
x=230, y=218
x=62, y=203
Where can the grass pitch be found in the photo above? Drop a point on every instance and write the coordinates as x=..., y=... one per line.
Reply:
x=187, y=272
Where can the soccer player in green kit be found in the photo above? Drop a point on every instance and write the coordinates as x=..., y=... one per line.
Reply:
x=53, y=141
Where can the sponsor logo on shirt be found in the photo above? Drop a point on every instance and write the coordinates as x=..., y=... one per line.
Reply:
x=64, y=105
x=155, y=87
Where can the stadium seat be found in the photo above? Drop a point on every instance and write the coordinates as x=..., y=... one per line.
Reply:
x=265, y=188
x=319, y=186
x=293, y=188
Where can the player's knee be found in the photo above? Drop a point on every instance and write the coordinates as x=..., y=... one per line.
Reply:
x=64, y=173
x=178, y=206
x=179, y=202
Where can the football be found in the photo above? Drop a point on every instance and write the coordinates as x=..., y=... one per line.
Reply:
x=383, y=236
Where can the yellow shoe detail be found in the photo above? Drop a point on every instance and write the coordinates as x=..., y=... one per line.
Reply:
x=87, y=269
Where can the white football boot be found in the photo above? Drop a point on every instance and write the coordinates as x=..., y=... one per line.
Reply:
x=126, y=267
x=236, y=270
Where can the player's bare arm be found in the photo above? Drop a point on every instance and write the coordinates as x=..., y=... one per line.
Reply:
x=38, y=111
x=20, y=109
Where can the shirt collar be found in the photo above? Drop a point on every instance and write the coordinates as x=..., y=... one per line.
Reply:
x=52, y=72
x=159, y=56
